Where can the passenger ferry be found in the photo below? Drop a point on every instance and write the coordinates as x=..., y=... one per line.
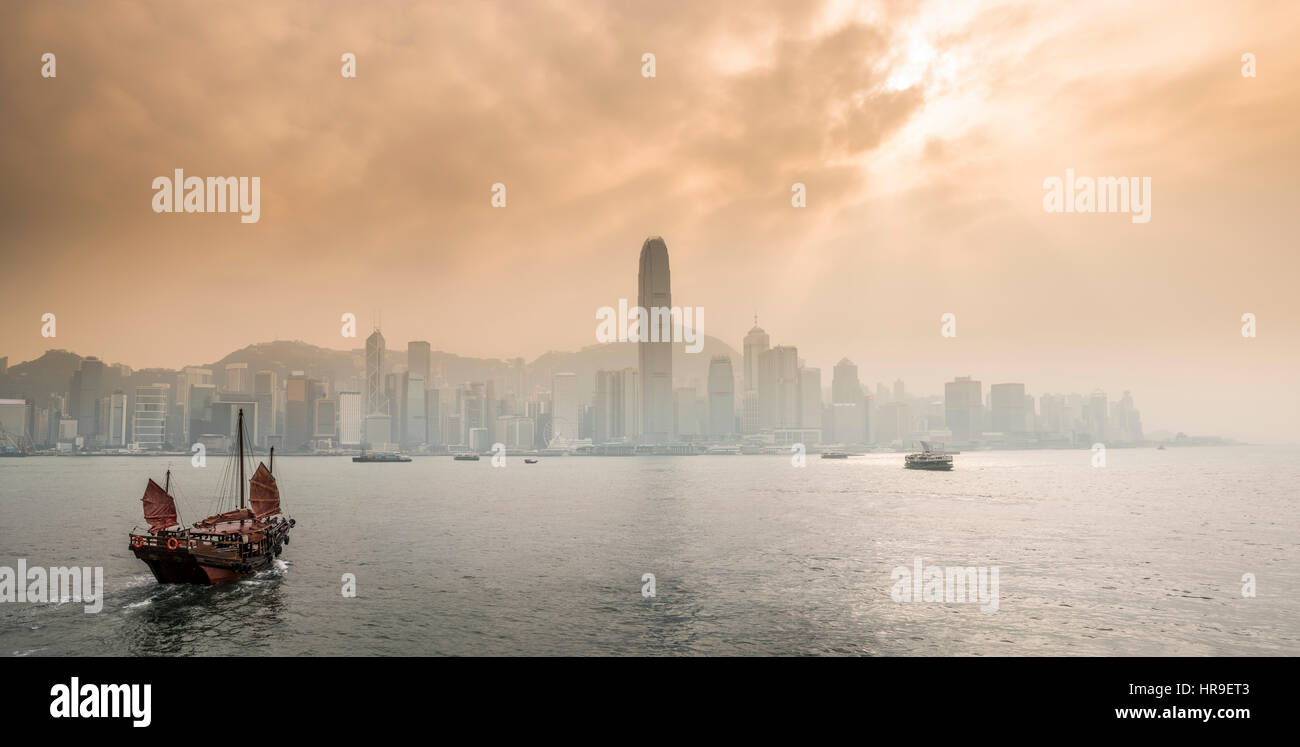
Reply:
x=931, y=456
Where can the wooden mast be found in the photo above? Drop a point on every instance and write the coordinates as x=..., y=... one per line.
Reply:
x=241, y=457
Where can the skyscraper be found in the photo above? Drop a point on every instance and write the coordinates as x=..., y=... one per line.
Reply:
x=238, y=380
x=756, y=342
x=685, y=419
x=778, y=388
x=630, y=388
x=299, y=413
x=149, y=420
x=395, y=398
x=433, y=417
x=810, y=398
x=1007, y=408
x=722, y=397
x=963, y=408
x=418, y=356
x=1095, y=416
x=87, y=383
x=326, y=419
x=895, y=423
x=1126, y=421
x=566, y=406
x=265, y=394
x=191, y=376
x=115, y=426
x=376, y=402
x=14, y=417
x=611, y=415
x=1051, y=408
x=349, y=418
x=655, y=358
x=200, y=420
x=848, y=405
x=749, y=412
x=414, y=412
x=471, y=406
x=517, y=383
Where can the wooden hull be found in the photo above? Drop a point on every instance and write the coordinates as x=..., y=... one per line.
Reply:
x=194, y=561
x=182, y=567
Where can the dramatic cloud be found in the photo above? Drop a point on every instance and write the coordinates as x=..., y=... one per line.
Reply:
x=922, y=131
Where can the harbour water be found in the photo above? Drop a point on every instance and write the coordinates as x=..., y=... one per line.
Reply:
x=751, y=555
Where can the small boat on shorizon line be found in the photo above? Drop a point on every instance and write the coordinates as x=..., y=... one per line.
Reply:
x=381, y=456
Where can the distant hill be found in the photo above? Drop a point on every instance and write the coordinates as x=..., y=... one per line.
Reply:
x=286, y=356
x=52, y=372
x=38, y=379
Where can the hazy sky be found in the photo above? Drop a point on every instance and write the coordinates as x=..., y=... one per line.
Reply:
x=923, y=132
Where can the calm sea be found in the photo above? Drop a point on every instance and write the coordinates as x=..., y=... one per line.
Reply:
x=750, y=555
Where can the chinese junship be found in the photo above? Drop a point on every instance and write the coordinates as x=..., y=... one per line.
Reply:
x=224, y=547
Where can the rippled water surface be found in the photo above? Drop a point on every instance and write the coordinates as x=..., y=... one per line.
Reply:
x=751, y=556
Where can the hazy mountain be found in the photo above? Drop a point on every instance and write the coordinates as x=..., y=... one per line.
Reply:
x=38, y=379
x=52, y=372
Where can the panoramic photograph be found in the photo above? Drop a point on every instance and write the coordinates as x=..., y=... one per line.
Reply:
x=600, y=329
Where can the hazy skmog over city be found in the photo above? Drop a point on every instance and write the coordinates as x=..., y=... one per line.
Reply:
x=923, y=132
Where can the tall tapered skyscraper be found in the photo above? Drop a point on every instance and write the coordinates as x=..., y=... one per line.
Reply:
x=756, y=342
x=655, y=358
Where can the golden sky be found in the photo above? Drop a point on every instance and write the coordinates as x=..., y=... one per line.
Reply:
x=923, y=132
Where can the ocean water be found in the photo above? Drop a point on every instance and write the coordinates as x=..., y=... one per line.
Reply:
x=751, y=556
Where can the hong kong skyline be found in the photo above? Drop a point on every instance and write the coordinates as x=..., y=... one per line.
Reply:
x=652, y=277
x=777, y=397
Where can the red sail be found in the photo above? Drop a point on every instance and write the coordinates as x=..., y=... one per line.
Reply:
x=263, y=495
x=159, y=508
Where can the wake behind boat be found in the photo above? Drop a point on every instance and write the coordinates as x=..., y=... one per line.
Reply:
x=223, y=547
x=931, y=456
